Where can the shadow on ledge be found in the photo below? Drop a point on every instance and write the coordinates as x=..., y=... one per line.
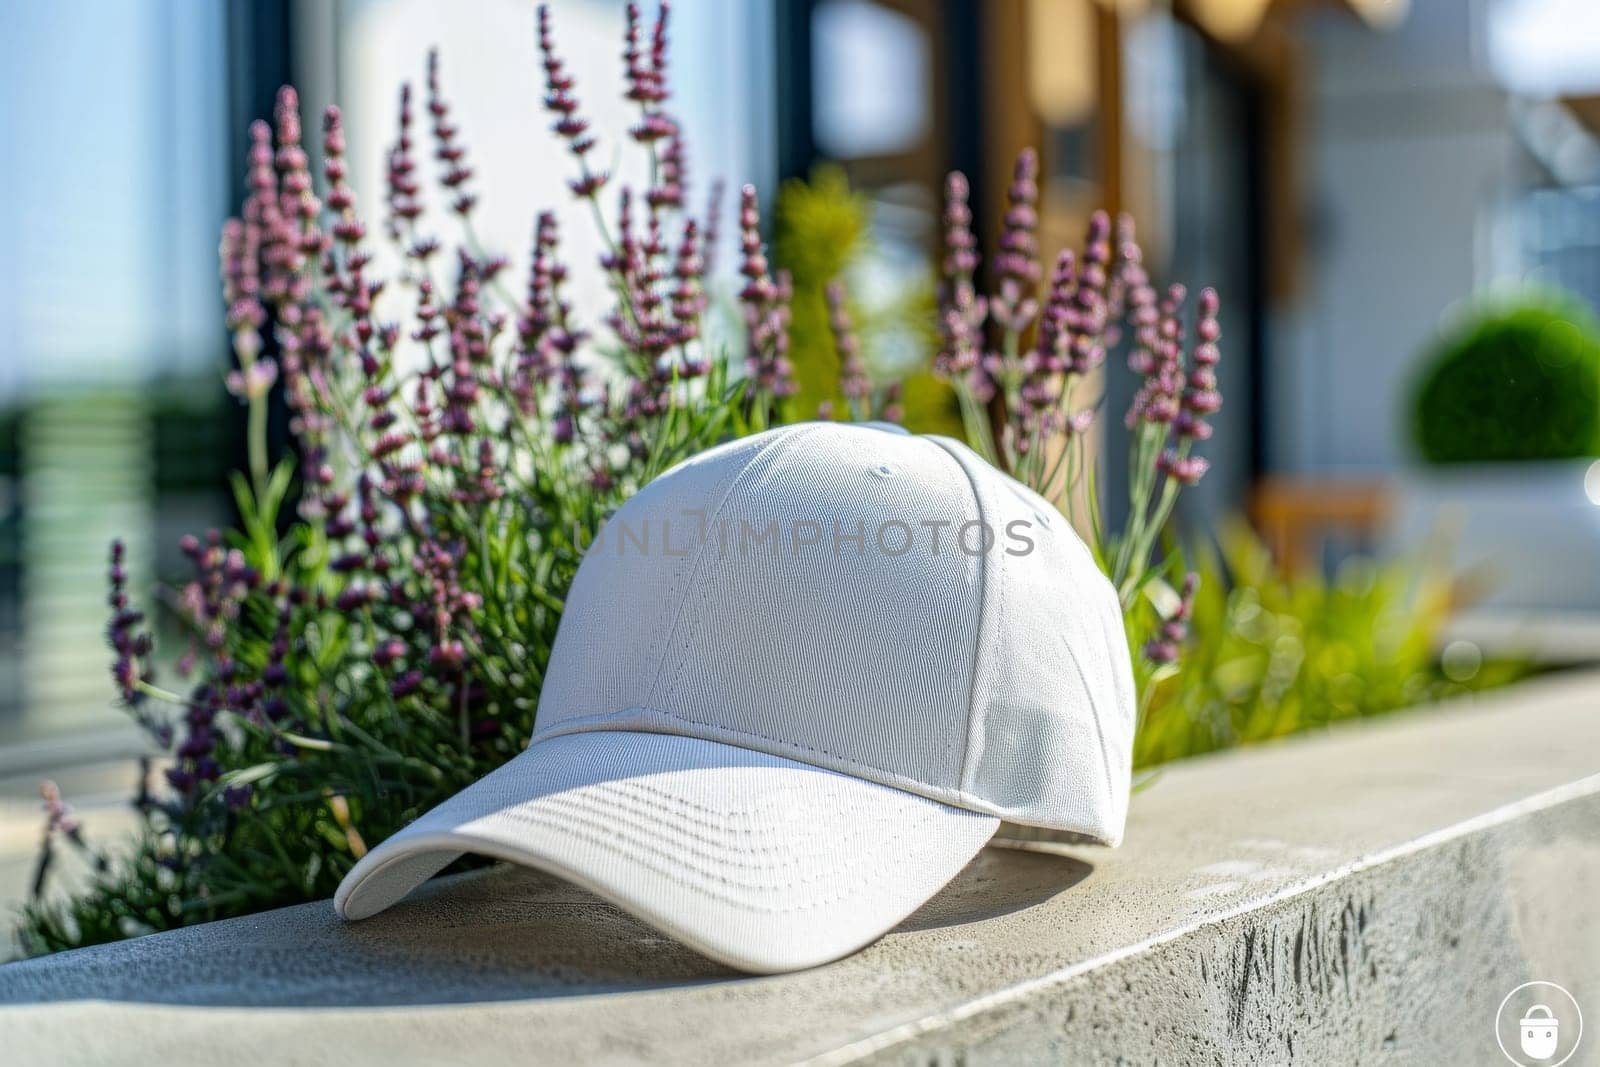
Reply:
x=506, y=933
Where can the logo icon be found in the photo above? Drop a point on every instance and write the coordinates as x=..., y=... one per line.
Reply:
x=1539, y=1030
x=1539, y=1024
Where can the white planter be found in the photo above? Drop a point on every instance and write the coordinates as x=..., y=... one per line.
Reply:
x=1526, y=534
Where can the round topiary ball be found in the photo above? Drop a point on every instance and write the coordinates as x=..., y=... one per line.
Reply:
x=1515, y=378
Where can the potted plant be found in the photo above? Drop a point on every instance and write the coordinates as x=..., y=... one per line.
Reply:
x=1505, y=417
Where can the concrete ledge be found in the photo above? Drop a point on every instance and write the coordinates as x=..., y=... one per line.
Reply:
x=1368, y=894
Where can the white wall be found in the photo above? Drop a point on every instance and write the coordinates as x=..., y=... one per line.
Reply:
x=1408, y=147
x=489, y=61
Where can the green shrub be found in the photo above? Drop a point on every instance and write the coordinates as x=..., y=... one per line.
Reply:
x=1272, y=654
x=1514, y=379
x=821, y=229
x=823, y=234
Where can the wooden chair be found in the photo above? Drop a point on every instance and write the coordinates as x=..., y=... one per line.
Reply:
x=1295, y=513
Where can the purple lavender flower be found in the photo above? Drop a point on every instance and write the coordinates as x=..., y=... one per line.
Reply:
x=1047, y=367
x=404, y=194
x=282, y=205
x=1056, y=320
x=892, y=410
x=240, y=252
x=642, y=319
x=347, y=228
x=646, y=76
x=778, y=372
x=352, y=598
x=275, y=673
x=1183, y=401
x=1016, y=266
x=1161, y=353
x=447, y=655
x=61, y=822
x=344, y=270
x=1087, y=325
x=388, y=653
x=1186, y=470
x=535, y=364
x=688, y=294
x=261, y=224
x=766, y=306
x=488, y=483
x=1167, y=646
x=1200, y=395
x=561, y=101
x=296, y=199
x=448, y=149
x=405, y=685
x=131, y=643
x=672, y=176
x=644, y=71
x=61, y=819
x=853, y=380
x=961, y=310
x=253, y=383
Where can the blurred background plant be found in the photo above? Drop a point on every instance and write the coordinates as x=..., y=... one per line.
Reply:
x=1272, y=653
x=1516, y=376
x=1505, y=415
x=823, y=237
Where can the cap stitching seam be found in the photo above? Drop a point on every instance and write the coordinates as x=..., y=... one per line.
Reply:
x=700, y=843
x=1124, y=699
x=951, y=797
x=967, y=801
x=705, y=593
x=983, y=607
x=606, y=843
x=1099, y=721
x=725, y=489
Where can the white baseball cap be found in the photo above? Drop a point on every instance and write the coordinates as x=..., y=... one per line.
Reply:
x=800, y=680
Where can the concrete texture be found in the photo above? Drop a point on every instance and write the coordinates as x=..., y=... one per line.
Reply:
x=1368, y=895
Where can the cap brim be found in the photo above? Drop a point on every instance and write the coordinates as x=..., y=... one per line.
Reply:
x=760, y=862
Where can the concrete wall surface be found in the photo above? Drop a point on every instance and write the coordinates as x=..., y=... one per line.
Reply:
x=1365, y=896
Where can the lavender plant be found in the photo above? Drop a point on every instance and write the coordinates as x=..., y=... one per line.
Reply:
x=1022, y=361
x=453, y=442
x=354, y=663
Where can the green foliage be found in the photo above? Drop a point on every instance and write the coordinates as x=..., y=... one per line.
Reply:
x=372, y=636
x=823, y=234
x=299, y=799
x=1517, y=378
x=1271, y=654
x=821, y=228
